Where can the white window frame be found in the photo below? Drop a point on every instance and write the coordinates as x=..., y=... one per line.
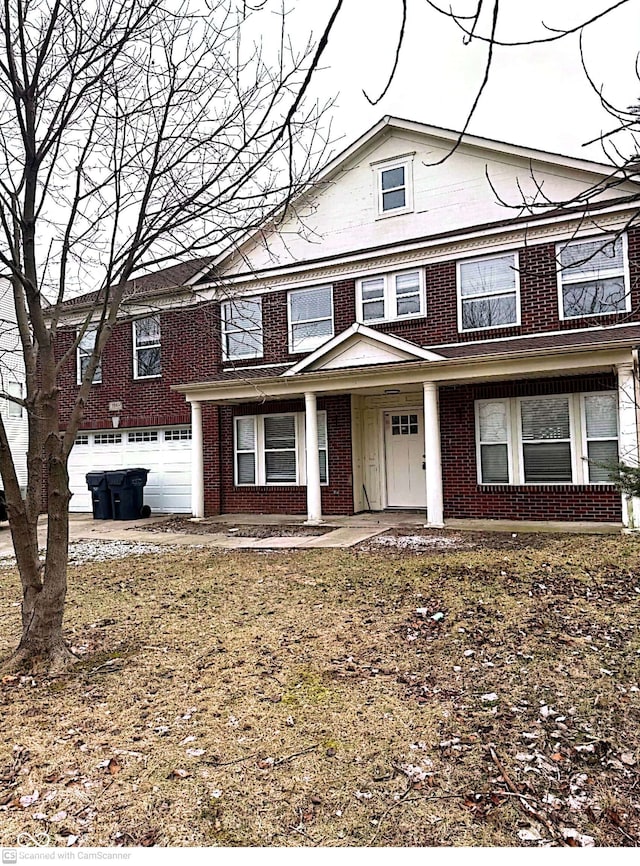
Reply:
x=509, y=441
x=586, y=439
x=390, y=298
x=137, y=348
x=486, y=296
x=310, y=343
x=405, y=162
x=515, y=443
x=259, y=452
x=226, y=307
x=562, y=273
x=82, y=352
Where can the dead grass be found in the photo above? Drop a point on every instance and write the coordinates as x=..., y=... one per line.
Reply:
x=296, y=698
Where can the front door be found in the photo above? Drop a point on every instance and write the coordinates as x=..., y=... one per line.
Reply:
x=404, y=458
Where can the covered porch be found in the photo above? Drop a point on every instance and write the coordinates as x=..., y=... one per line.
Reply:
x=395, y=424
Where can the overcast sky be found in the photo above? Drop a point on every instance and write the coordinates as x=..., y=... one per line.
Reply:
x=537, y=95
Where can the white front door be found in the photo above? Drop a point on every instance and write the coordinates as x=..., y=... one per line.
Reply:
x=404, y=458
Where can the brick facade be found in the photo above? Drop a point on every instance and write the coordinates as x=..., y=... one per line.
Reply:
x=191, y=352
x=465, y=498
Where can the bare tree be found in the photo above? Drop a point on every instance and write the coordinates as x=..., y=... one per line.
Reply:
x=131, y=132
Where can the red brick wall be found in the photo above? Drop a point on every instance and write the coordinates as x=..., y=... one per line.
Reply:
x=222, y=496
x=465, y=498
x=190, y=352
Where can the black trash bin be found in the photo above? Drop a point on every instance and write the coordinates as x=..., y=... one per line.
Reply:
x=3, y=506
x=100, y=495
x=126, y=487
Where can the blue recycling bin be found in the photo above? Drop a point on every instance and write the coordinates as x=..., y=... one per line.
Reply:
x=126, y=487
x=100, y=495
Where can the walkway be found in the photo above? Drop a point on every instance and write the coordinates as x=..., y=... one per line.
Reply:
x=341, y=531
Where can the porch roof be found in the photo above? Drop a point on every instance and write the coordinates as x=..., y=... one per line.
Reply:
x=525, y=357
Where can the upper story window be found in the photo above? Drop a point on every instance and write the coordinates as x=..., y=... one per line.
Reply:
x=242, y=329
x=391, y=296
x=592, y=277
x=310, y=318
x=488, y=293
x=146, y=348
x=85, y=350
x=394, y=192
x=552, y=439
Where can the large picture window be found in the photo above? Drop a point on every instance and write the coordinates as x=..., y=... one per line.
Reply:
x=310, y=318
x=555, y=439
x=488, y=293
x=146, y=348
x=242, y=328
x=270, y=449
x=592, y=277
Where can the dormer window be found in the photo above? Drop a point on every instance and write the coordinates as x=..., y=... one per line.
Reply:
x=393, y=187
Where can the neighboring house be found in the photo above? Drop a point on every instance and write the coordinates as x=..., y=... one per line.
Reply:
x=402, y=339
x=12, y=382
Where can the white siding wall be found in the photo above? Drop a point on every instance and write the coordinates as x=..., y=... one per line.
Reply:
x=342, y=217
x=12, y=371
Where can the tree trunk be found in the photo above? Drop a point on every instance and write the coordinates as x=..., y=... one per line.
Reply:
x=44, y=585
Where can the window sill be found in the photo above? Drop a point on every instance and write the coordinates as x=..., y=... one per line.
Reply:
x=146, y=378
x=505, y=327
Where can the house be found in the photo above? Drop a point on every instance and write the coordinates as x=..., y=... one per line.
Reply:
x=423, y=329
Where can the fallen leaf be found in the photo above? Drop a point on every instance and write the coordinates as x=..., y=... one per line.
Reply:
x=113, y=767
x=179, y=773
x=29, y=799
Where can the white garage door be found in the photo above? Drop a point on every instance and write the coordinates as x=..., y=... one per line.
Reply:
x=165, y=452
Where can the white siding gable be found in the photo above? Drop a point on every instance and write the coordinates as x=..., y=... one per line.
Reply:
x=342, y=216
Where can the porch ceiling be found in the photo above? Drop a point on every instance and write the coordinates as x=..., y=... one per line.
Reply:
x=406, y=376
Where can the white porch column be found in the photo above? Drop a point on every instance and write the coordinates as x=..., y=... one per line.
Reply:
x=628, y=438
x=197, y=461
x=314, y=503
x=432, y=456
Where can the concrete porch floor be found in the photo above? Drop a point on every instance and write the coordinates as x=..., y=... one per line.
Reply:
x=341, y=531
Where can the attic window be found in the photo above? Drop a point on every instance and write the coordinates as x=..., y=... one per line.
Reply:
x=393, y=187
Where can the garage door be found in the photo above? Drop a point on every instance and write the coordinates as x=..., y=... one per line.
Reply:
x=165, y=452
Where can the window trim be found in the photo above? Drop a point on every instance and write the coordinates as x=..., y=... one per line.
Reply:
x=516, y=290
x=593, y=275
x=389, y=296
x=405, y=162
x=586, y=440
x=98, y=370
x=509, y=441
x=225, y=331
x=136, y=348
x=290, y=323
x=515, y=442
x=260, y=451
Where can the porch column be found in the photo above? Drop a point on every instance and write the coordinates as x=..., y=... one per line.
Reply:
x=432, y=456
x=314, y=503
x=197, y=461
x=628, y=438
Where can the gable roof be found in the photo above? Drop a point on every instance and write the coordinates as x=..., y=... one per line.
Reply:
x=174, y=277
x=442, y=138
x=360, y=346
